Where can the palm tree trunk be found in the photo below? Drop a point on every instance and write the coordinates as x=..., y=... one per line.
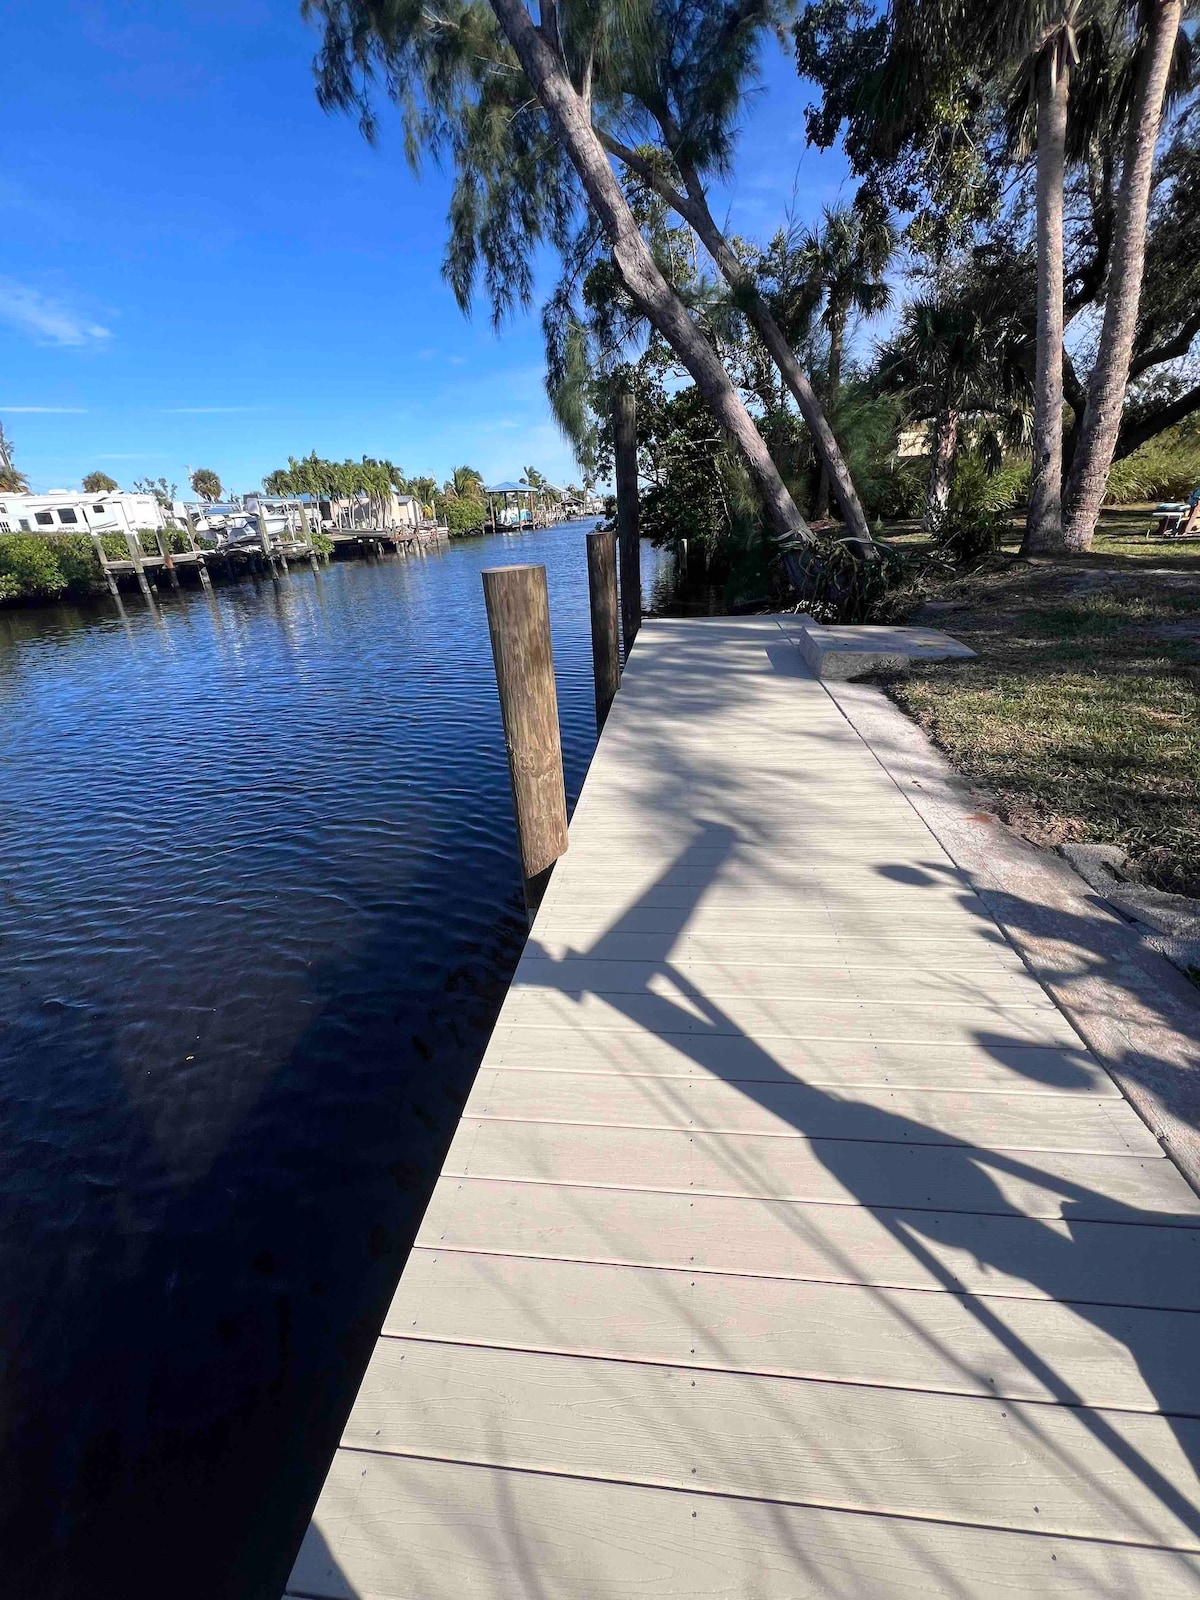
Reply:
x=941, y=468
x=693, y=208
x=649, y=290
x=1043, y=522
x=837, y=332
x=1110, y=376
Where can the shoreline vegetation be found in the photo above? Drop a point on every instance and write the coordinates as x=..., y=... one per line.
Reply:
x=54, y=565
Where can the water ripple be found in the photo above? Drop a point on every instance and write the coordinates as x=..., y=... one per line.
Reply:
x=258, y=903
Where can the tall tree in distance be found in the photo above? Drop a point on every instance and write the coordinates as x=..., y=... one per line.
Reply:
x=99, y=483
x=206, y=484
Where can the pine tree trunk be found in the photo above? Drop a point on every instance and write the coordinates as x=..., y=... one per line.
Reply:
x=1110, y=376
x=941, y=468
x=837, y=333
x=649, y=290
x=1043, y=522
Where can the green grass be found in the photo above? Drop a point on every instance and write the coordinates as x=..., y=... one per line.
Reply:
x=1081, y=715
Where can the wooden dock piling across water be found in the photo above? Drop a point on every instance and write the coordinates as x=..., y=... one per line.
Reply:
x=791, y=1244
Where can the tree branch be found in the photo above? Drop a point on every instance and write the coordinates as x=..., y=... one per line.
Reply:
x=549, y=27
x=1169, y=350
x=1148, y=424
x=648, y=173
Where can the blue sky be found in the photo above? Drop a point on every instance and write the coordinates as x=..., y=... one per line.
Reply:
x=200, y=268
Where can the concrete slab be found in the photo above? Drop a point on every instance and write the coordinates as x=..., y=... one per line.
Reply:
x=850, y=652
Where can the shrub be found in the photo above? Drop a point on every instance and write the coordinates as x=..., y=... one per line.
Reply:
x=968, y=535
x=1165, y=468
x=900, y=492
x=836, y=584
x=36, y=566
x=321, y=542
x=464, y=516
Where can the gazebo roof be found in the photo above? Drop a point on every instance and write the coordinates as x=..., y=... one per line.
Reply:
x=508, y=488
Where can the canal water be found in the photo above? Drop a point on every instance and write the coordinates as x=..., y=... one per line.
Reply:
x=259, y=901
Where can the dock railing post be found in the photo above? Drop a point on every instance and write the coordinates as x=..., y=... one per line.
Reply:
x=606, y=633
x=518, y=613
x=625, y=451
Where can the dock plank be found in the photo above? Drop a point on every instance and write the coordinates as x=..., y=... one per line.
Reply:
x=952, y=1343
x=945, y=1458
x=392, y=1528
x=791, y=1243
x=1130, y=1264
x=882, y=1165
x=796, y=1110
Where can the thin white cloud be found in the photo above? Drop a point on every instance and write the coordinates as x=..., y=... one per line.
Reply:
x=207, y=411
x=46, y=320
x=44, y=411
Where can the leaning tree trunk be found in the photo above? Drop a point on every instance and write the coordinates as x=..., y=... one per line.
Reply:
x=693, y=208
x=649, y=290
x=1043, y=522
x=941, y=468
x=836, y=334
x=1110, y=376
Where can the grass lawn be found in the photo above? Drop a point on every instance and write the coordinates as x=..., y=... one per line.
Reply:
x=1082, y=714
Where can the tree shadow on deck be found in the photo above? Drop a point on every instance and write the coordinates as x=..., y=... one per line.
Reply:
x=882, y=1159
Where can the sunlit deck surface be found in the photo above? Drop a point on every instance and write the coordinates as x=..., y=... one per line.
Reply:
x=791, y=1244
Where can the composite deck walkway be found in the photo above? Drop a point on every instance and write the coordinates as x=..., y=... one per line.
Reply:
x=791, y=1244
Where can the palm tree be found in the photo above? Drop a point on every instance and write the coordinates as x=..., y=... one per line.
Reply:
x=99, y=483
x=425, y=489
x=206, y=484
x=1158, y=31
x=1041, y=38
x=842, y=264
x=955, y=358
x=466, y=483
x=11, y=481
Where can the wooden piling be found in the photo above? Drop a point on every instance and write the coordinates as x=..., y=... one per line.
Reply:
x=163, y=540
x=102, y=558
x=518, y=613
x=606, y=633
x=136, y=555
x=264, y=539
x=625, y=450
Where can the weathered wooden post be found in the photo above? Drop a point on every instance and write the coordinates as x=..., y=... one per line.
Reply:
x=134, y=545
x=518, y=613
x=102, y=558
x=163, y=540
x=264, y=538
x=606, y=632
x=625, y=449
x=201, y=562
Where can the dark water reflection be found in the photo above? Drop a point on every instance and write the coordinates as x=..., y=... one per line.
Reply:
x=258, y=903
